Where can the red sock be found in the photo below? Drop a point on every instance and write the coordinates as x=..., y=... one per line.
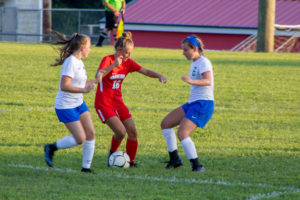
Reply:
x=114, y=144
x=131, y=149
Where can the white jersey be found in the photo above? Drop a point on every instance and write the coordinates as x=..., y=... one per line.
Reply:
x=75, y=69
x=198, y=67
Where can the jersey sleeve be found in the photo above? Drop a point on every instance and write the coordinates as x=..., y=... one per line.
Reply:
x=133, y=66
x=206, y=66
x=68, y=69
x=106, y=61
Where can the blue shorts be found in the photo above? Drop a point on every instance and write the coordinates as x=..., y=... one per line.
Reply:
x=72, y=114
x=199, y=112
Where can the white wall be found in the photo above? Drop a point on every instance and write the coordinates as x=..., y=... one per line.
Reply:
x=24, y=22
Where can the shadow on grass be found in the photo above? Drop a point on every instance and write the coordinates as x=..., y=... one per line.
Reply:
x=256, y=63
x=11, y=104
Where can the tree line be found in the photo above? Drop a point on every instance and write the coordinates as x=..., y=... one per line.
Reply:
x=95, y=4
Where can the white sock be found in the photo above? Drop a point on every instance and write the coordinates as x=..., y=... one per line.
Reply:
x=170, y=138
x=189, y=148
x=88, y=149
x=66, y=142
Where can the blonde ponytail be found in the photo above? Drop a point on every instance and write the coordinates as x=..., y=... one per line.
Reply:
x=124, y=41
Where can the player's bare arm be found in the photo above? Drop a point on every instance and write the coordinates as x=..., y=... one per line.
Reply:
x=206, y=81
x=103, y=72
x=123, y=7
x=68, y=87
x=153, y=74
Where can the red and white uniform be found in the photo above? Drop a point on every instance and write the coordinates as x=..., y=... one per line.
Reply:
x=109, y=102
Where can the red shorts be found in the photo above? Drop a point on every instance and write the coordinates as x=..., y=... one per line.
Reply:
x=106, y=112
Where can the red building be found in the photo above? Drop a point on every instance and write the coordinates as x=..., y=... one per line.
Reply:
x=221, y=24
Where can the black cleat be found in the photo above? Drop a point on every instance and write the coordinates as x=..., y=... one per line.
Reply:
x=199, y=168
x=109, y=153
x=48, y=155
x=87, y=170
x=174, y=163
x=196, y=166
x=133, y=165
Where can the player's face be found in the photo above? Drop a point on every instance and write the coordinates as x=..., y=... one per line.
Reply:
x=86, y=48
x=188, y=52
x=126, y=52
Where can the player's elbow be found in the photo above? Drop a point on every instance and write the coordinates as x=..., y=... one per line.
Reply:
x=63, y=87
x=208, y=82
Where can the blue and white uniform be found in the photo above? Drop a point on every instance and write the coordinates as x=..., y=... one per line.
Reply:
x=69, y=106
x=200, y=105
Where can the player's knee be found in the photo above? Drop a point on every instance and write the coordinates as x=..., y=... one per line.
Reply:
x=182, y=136
x=90, y=135
x=163, y=124
x=80, y=140
x=120, y=133
x=119, y=137
x=132, y=135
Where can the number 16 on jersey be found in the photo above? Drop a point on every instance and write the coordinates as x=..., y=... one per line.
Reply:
x=116, y=84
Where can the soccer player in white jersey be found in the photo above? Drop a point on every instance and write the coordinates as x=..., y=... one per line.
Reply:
x=196, y=112
x=69, y=104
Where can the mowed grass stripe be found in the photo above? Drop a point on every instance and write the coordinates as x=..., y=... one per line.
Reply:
x=164, y=179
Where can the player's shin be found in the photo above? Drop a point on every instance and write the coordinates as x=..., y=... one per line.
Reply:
x=131, y=149
x=88, y=149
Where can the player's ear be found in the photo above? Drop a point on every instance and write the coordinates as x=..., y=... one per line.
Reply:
x=195, y=48
x=82, y=47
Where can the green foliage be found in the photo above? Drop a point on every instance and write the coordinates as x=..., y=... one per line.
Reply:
x=250, y=147
x=72, y=19
x=67, y=22
x=78, y=4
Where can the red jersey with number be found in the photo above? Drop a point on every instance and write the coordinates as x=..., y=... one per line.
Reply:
x=111, y=94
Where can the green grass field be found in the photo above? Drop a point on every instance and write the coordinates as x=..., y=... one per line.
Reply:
x=250, y=148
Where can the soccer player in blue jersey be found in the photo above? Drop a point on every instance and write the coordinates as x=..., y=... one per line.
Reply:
x=197, y=111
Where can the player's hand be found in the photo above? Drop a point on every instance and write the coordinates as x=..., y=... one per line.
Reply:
x=100, y=75
x=186, y=79
x=162, y=79
x=119, y=60
x=116, y=13
x=90, y=85
x=123, y=11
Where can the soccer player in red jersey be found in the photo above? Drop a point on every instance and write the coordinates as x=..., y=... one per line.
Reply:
x=109, y=104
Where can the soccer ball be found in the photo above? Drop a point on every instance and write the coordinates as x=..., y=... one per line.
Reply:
x=119, y=159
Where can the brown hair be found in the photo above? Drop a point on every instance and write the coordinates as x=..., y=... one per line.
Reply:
x=69, y=46
x=200, y=50
x=124, y=41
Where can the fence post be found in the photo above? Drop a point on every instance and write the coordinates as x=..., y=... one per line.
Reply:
x=79, y=22
x=266, y=20
x=47, y=19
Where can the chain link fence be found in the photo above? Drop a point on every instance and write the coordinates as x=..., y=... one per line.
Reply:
x=32, y=25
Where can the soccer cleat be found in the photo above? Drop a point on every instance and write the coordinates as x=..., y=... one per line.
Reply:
x=87, y=170
x=174, y=163
x=109, y=153
x=199, y=168
x=133, y=165
x=48, y=155
x=196, y=166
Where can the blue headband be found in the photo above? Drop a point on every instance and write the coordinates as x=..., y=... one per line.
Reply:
x=193, y=41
